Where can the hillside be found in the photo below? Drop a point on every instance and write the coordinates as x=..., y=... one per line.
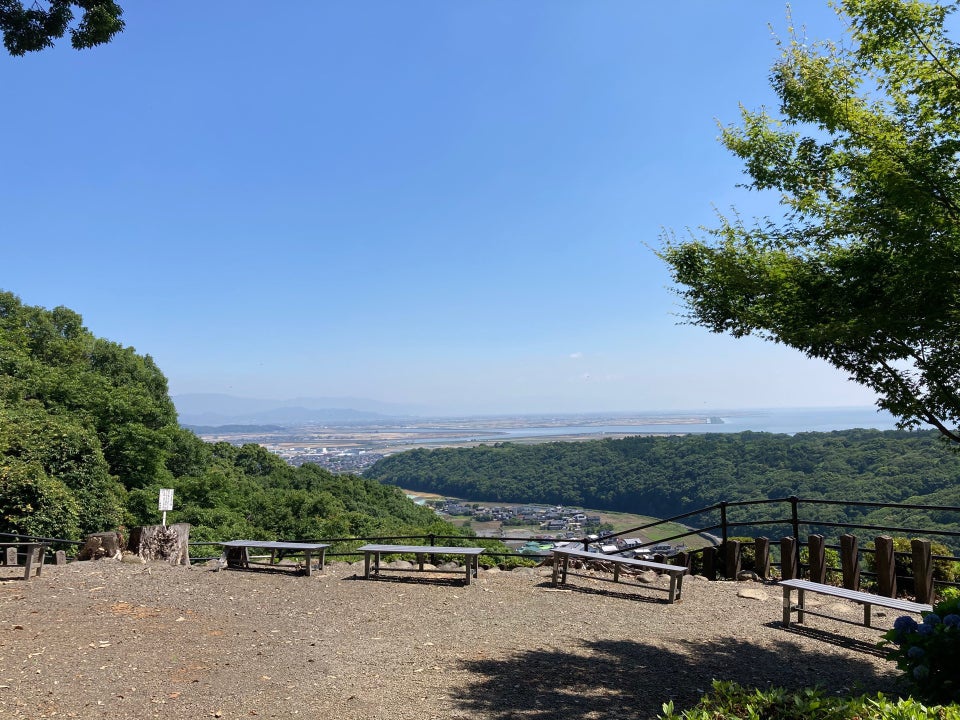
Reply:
x=89, y=435
x=666, y=476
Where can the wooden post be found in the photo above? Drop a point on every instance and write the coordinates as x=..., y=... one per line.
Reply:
x=731, y=561
x=886, y=567
x=850, y=561
x=11, y=556
x=761, y=551
x=788, y=558
x=818, y=565
x=61, y=557
x=922, y=571
x=710, y=562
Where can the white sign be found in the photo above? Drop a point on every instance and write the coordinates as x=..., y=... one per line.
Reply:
x=166, y=499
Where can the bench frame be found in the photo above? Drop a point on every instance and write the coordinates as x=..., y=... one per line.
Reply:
x=242, y=547
x=35, y=553
x=868, y=600
x=471, y=556
x=561, y=562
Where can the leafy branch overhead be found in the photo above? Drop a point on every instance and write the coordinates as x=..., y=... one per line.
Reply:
x=863, y=268
x=28, y=29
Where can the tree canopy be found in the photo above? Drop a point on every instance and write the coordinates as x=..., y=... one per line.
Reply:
x=28, y=29
x=863, y=268
x=89, y=435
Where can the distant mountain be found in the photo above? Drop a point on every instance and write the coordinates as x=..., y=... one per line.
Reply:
x=218, y=409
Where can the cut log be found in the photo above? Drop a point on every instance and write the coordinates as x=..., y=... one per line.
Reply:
x=101, y=545
x=157, y=542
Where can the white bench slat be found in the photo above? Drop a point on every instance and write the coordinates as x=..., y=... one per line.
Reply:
x=561, y=556
x=863, y=598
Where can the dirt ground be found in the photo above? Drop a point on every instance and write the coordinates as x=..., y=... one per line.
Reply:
x=111, y=639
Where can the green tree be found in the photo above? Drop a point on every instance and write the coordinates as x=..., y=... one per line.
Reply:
x=862, y=269
x=27, y=29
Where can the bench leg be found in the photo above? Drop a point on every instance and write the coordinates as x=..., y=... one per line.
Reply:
x=420, y=562
x=556, y=569
x=616, y=572
x=800, y=600
x=866, y=614
x=469, y=566
x=323, y=551
x=566, y=564
x=308, y=561
x=673, y=589
x=366, y=566
x=787, y=608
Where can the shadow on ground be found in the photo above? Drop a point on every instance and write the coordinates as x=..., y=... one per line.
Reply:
x=621, y=680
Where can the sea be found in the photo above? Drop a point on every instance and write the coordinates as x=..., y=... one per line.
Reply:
x=774, y=420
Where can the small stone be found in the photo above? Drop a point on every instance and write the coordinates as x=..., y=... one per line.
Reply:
x=752, y=593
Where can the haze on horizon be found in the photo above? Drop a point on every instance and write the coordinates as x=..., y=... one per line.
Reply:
x=444, y=205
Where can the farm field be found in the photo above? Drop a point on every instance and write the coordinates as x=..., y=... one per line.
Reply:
x=619, y=521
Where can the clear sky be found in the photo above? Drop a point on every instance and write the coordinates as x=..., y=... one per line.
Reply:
x=449, y=204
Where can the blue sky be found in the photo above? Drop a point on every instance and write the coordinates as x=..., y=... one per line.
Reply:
x=445, y=204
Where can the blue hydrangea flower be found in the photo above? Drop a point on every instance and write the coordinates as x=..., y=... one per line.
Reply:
x=905, y=624
x=921, y=672
x=915, y=653
x=932, y=619
x=925, y=629
x=952, y=620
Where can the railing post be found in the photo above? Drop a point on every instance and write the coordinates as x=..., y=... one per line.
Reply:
x=818, y=565
x=922, y=571
x=795, y=519
x=886, y=566
x=761, y=551
x=723, y=523
x=710, y=562
x=850, y=562
x=731, y=562
x=788, y=558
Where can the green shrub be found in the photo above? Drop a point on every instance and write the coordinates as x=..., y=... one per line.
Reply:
x=943, y=570
x=729, y=700
x=929, y=652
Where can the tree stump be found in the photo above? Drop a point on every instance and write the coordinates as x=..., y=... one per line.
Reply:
x=101, y=545
x=157, y=542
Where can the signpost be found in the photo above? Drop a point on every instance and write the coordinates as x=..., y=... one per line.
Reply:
x=166, y=502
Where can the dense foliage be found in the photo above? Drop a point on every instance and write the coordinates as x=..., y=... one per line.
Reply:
x=729, y=700
x=929, y=652
x=861, y=270
x=667, y=476
x=36, y=27
x=88, y=436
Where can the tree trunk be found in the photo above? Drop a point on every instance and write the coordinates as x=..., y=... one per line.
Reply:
x=101, y=545
x=156, y=542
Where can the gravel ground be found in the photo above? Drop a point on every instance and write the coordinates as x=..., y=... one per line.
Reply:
x=110, y=639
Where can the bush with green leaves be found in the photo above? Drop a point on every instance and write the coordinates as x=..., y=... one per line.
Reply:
x=929, y=652
x=943, y=570
x=729, y=700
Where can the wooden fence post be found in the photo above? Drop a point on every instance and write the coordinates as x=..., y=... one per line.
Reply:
x=11, y=556
x=761, y=551
x=732, y=558
x=788, y=558
x=61, y=557
x=922, y=571
x=886, y=566
x=710, y=562
x=850, y=562
x=818, y=565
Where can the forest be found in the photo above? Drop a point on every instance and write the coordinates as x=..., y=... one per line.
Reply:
x=89, y=435
x=668, y=476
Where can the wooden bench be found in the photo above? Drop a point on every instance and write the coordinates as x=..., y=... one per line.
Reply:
x=561, y=560
x=471, y=556
x=868, y=600
x=237, y=552
x=33, y=560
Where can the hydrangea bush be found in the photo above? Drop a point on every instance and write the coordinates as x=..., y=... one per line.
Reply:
x=929, y=651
